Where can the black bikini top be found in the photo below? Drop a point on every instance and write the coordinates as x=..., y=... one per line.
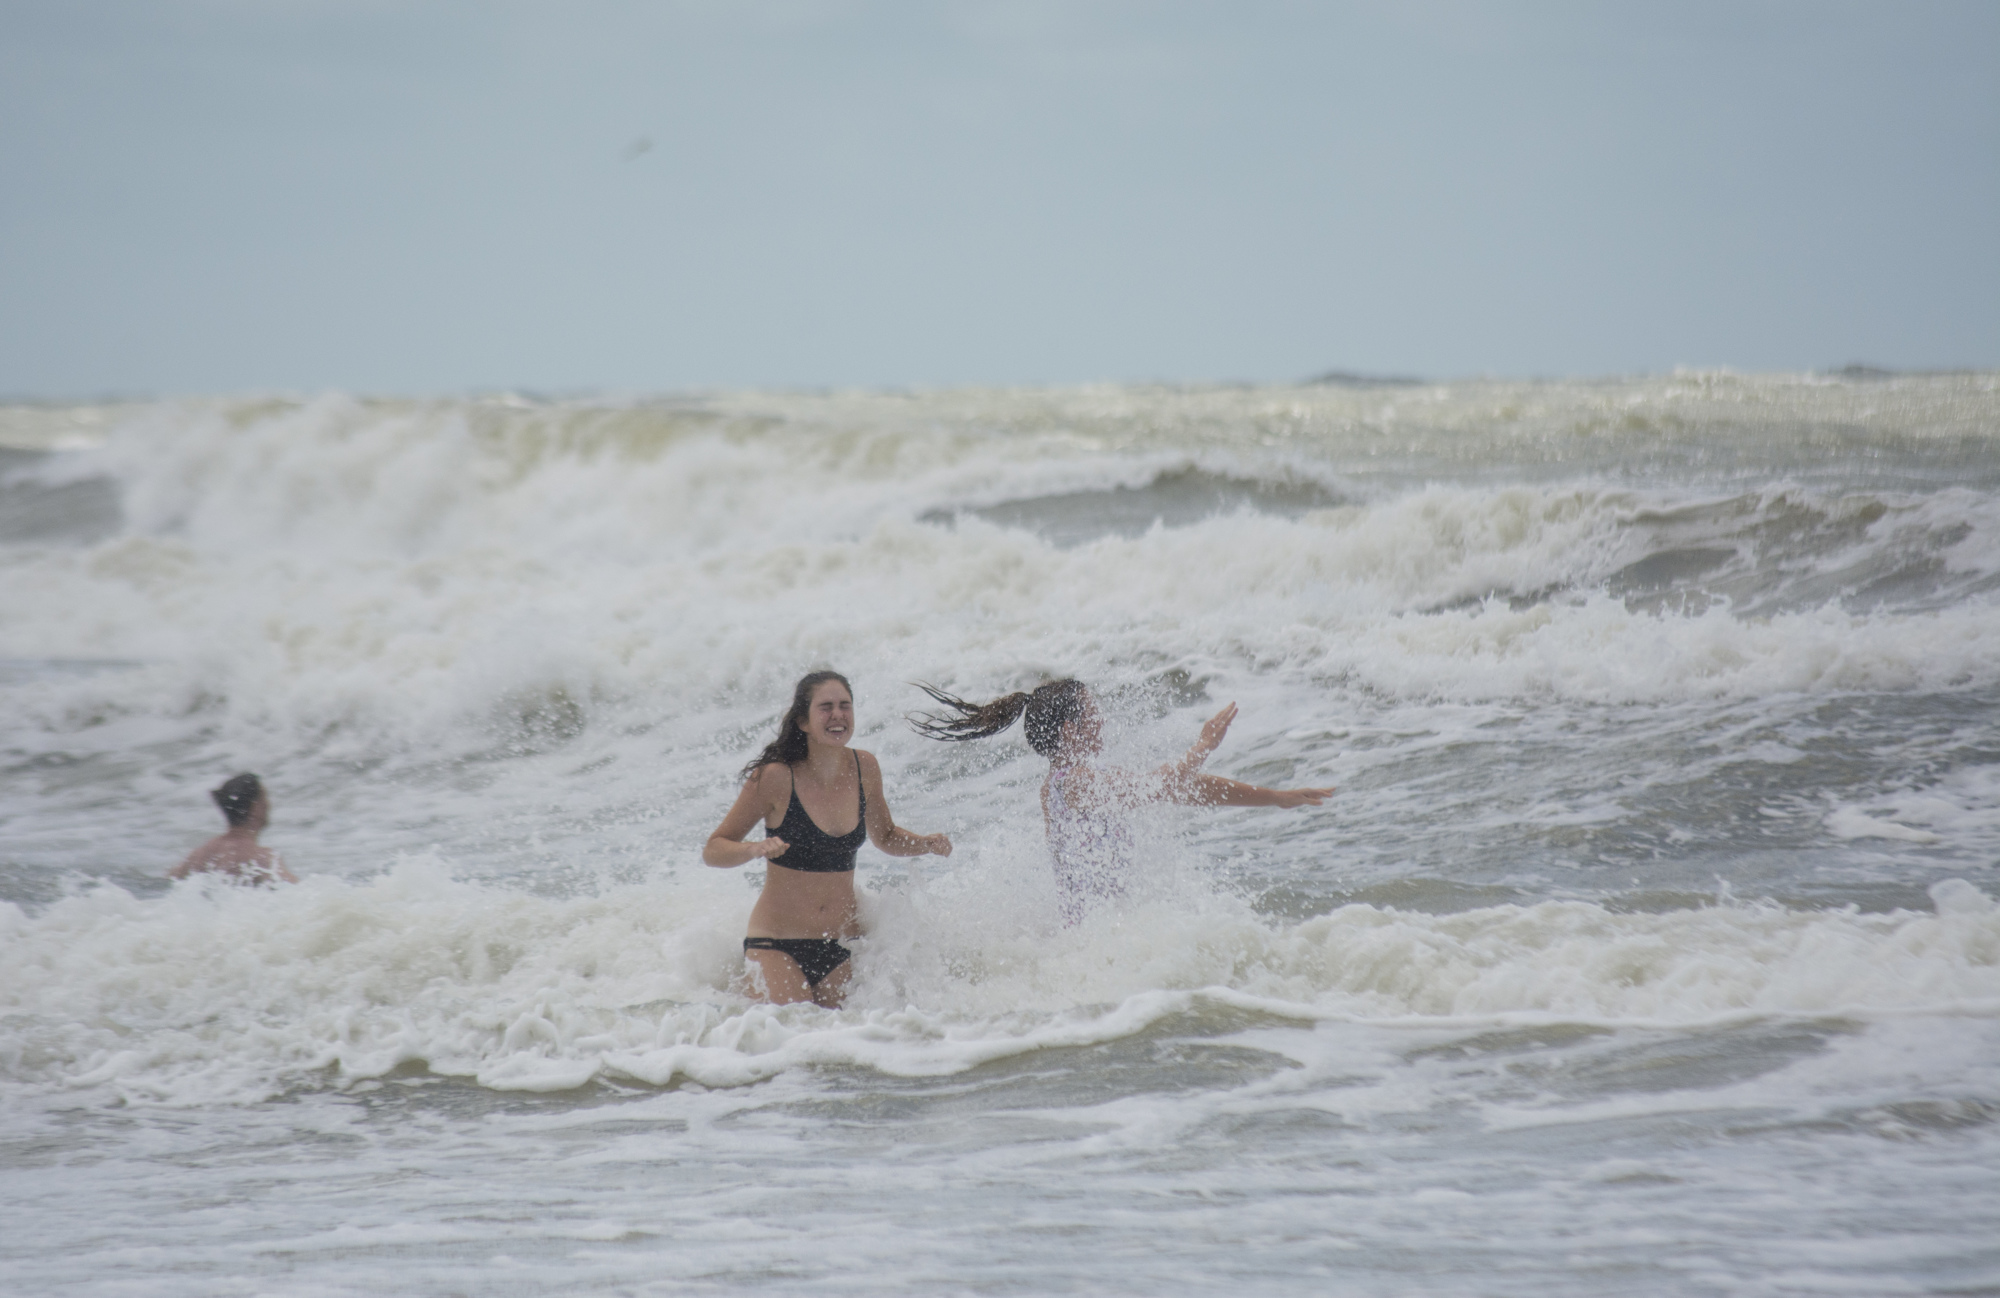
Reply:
x=807, y=846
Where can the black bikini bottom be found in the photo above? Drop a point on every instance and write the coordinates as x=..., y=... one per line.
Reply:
x=816, y=957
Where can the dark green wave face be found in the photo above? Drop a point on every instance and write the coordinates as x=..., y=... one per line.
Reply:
x=1651, y=919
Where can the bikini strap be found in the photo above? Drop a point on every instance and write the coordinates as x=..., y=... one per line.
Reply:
x=792, y=799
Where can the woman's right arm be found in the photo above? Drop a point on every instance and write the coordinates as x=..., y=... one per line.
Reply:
x=1184, y=783
x=1111, y=788
x=1218, y=791
x=725, y=847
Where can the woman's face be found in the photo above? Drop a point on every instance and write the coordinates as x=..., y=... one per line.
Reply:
x=1083, y=734
x=260, y=813
x=830, y=719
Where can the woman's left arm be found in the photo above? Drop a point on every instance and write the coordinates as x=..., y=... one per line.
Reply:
x=1212, y=732
x=882, y=828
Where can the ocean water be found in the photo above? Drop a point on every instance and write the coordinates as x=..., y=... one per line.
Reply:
x=1650, y=944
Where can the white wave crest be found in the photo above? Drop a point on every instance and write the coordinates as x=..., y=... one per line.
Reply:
x=213, y=994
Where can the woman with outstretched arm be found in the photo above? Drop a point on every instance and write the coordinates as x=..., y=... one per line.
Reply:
x=1084, y=803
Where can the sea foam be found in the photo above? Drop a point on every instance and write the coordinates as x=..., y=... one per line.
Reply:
x=216, y=993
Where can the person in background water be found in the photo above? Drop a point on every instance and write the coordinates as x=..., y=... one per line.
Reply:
x=235, y=853
x=803, y=780
x=1084, y=805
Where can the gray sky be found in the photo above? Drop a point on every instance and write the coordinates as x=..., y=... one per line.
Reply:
x=411, y=196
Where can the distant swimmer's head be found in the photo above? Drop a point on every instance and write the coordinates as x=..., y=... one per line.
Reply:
x=239, y=798
x=1059, y=717
x=822, y=708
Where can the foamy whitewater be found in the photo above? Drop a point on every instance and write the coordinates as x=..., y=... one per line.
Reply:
x=1650, y=944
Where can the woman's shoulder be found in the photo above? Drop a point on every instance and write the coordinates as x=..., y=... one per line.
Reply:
x=770, y=778
x=1093, y=784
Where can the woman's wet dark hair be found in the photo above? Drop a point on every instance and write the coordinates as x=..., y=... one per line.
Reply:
x=1047, y=709
x=238, y=794
x=789, y=747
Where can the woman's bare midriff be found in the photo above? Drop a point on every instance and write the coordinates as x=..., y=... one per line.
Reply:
x=804, y=903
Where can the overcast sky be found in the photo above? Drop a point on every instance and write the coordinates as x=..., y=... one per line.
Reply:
x=411, y=196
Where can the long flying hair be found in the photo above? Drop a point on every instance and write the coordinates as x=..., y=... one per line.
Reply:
x=789, y=748
x=1046, y=707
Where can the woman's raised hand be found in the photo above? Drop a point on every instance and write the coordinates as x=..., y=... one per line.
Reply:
x=937, y=844
x=769, y=847
x=1188, y=767
x=1214, y=729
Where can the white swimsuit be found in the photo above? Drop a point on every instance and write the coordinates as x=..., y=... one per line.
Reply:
x=1091, y=851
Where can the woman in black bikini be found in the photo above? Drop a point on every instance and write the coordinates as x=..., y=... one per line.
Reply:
x=801, y=781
